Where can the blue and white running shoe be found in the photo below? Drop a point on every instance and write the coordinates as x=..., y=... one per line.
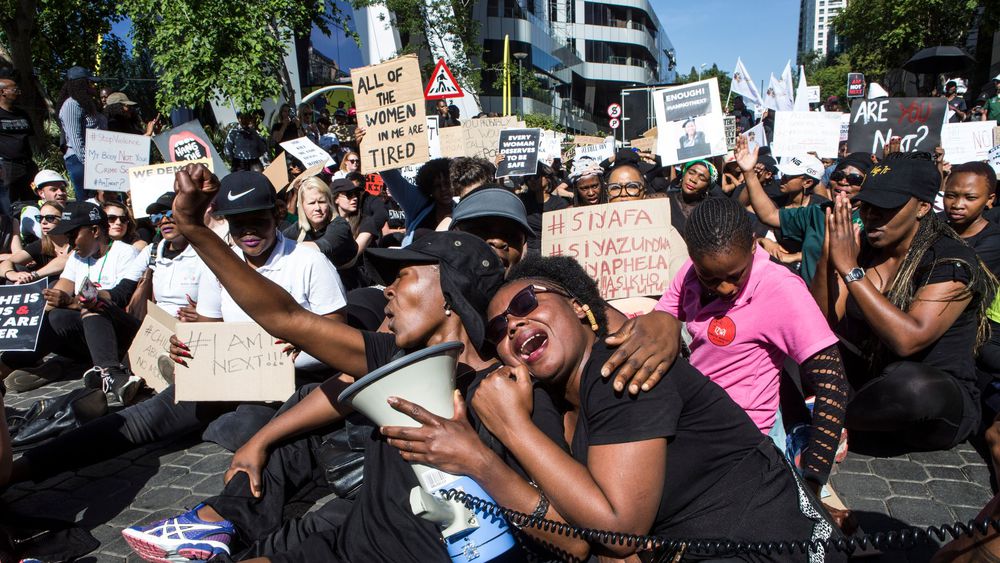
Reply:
x=181, y=538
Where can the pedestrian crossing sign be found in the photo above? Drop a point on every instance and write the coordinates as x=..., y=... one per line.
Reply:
x=442, y=84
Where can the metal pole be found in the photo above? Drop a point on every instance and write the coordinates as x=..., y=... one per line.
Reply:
x=520, y=84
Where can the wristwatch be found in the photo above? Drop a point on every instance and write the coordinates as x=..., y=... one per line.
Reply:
x=854, y=275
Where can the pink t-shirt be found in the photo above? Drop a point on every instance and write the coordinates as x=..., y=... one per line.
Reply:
x=742, y=344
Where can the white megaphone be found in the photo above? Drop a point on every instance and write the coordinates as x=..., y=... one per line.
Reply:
x=427, y=378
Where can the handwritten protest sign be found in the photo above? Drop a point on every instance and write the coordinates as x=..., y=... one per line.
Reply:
x=799, y=132
x=308, y=152
x=689, y=122
x=390, y=102
x=550, y=146
x=151, y=348
x=150, y=182
x=433, y=136
x=482, y=136
x=996, y=136
x=967, y=142
x=629, y=248
x=21, y=311
x=277, y=172
x=232, y=362
x=520, y=150
x=917, y=121
x=109, y=156
x=587, y=140
x=452, y=142
x=591, y=155
x=189, y=141
x=644, y=144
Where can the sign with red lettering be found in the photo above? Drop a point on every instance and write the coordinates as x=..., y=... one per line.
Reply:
x=21, y=310
x=629, y=248
x=374, y=184
x=916, y=121
x=189, y=141
x=855, y=85
x=442, y=83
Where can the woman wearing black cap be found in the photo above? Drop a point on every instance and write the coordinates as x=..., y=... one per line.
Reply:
x=908, y=300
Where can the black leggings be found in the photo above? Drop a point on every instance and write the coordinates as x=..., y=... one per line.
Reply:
x=923, y=406
x=102, y=339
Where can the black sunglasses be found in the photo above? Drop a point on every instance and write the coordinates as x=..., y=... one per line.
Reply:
x=523, y=303
x=49, y=218
x=157, y=217
x=853, y=178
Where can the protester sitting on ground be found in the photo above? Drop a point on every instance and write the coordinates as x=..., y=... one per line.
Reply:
x=302, y=274
x=625, y=183
x=539, y=199
x=318, y=226
x=44, y=258
x=79, y=326
x=547, y=324
x=908, y=301
x=766, y=172
x=469, y=173
x=588, y=186
x=800, y=177
x=347, y=196
x=244, y=146
x=428, y=203
x=728, y=293
x=696, y=181
x=497, y=216
x=121, y=225
x=49, y=185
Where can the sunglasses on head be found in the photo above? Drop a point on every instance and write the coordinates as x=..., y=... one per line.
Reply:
x=523, y=303
x=853, y=179
x=157, y=217
x=49, y=218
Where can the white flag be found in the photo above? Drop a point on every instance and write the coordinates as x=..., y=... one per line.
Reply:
x=771, y=95
x=801, y=96
x=786, y=101
x=743, y=85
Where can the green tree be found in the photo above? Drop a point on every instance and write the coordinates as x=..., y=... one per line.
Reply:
x=883, y=34
x=725, y=81
x=830, y=77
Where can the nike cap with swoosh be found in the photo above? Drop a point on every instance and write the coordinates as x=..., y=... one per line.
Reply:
x=244, y=192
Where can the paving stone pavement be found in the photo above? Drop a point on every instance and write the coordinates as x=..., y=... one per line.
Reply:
x=164, y=479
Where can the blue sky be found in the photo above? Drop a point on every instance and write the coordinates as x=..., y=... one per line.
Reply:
x=764, y=34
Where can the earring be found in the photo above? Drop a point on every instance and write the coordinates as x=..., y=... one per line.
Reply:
x=447, y=311
x=590, y=317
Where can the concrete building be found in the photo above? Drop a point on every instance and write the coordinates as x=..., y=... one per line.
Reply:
x=580, y=53
x=815, y=18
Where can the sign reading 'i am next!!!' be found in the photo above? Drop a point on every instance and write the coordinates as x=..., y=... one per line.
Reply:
x=390, y=102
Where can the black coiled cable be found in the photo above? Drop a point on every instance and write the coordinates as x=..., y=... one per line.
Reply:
x=905, y=538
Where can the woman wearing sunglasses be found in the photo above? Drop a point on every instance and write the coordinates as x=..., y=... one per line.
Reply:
x=121, y=226
x=706, y=471
x=350, y=163
x=42, y=258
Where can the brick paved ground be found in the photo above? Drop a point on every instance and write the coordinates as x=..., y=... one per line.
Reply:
x=168, y=478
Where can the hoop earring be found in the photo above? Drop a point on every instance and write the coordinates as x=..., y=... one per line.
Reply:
x=590, y=317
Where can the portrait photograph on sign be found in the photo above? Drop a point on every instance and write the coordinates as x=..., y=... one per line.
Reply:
x=689, y=122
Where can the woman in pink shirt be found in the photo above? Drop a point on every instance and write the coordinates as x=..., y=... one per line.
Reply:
x=745, y=315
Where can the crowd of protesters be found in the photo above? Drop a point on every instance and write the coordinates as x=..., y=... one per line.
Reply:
x=678, y=422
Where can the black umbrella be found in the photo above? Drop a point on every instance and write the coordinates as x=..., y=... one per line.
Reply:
x=935, y=60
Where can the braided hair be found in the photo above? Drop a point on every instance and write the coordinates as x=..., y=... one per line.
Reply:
x=564, y=273
x=716, y=226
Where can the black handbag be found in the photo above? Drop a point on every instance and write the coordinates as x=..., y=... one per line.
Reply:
x=341, y=454
x=44, y=539
x=48, y=418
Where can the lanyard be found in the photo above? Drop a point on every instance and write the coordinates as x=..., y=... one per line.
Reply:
x=103, y=263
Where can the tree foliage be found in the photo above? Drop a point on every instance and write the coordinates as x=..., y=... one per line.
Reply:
x=831, y=77
x=883, y=34
x=725, y=81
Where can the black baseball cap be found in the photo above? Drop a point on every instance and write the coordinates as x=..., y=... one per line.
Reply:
x=243, y=192
x=342, y=185
x=78, y=72
x=891, y=184
x=79, y=214
x=470, y=273
x=163, y=203
x=491, y=202
x=769, y=163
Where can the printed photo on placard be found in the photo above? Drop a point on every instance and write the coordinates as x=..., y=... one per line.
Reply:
x=689, y=122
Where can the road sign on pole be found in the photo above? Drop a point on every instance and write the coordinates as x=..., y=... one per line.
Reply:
x=615, y=110
x=614, y=123
x=442, y=84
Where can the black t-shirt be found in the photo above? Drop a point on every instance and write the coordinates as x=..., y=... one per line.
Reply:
x=34, y=250
x=534, y=211
x=993, y=215
x=396, y=216
x=291, y=132
x=15, y=128
x=708, y=434
x=947, y=260
x=986, y=243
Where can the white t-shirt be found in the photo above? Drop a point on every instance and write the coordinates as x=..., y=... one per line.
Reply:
x=105, y=271
x=173, y=278
x=301, y=271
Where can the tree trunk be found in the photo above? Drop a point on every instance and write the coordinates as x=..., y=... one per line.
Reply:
x=19, y=30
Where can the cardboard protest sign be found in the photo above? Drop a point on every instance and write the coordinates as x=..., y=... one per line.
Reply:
x=308, y=152
x=482, y=136
x=756, y=137
x=799, y=132
x=433, y=136
x=730, y=124
x=917, y=121
x=151, y=347
x=520, y=150
x=967, y=142
x=109, y=156
x=588, y=156
x=150, y=182
x=629, y=248
x=277, y=172
x=644, y=144
x=587, y=140
x=996, y=136
x=451, y=142
x=21, y=310
x=232, y=362
x=689, y=122
x=189, y=141
x=390, y=102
